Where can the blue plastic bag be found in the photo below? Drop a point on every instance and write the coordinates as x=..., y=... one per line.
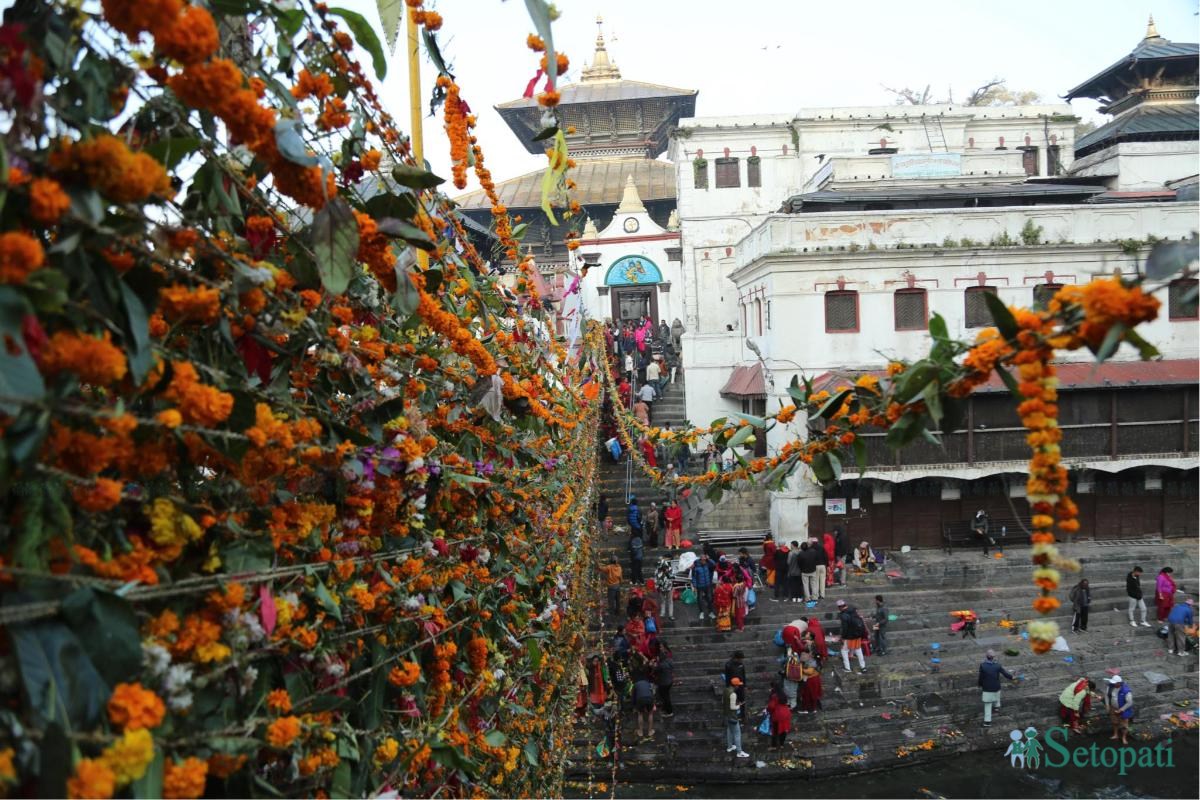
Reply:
x=764, y=727
x=751, y=599
x=779, y=638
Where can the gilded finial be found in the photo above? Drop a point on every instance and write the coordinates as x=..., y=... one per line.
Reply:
x=1151, y=30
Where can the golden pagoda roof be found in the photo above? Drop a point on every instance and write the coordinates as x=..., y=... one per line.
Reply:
x=601, y=181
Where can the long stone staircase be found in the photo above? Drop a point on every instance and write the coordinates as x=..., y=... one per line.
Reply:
x=902, y=701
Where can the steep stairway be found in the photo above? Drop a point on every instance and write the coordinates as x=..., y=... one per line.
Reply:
x=901, y=701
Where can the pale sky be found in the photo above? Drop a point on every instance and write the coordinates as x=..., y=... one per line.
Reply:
x=816, y=53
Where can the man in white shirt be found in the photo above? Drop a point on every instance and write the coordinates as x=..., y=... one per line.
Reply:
x=654, y=374
x=646, y=394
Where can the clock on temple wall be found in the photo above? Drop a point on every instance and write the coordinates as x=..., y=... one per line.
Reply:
x=631, y=225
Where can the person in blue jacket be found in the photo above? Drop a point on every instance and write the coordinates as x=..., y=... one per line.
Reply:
x=634, y=517
x=1180, y=618
x=990, y=672
x=702, y=582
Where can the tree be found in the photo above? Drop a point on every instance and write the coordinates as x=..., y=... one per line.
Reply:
x=991, y=93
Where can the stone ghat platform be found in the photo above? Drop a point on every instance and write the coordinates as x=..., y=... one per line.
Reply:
x=902, y=711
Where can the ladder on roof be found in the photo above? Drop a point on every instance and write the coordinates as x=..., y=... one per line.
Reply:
x=934, y=133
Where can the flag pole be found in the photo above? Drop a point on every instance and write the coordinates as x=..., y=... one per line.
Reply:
x=414, y=106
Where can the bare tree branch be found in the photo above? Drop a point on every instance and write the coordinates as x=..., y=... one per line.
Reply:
x=985, y=94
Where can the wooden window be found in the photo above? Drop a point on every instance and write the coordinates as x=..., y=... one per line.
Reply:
x=758, y=315
x=1053, y=160
x=977, y=313
x=841, y=312
x=727, y=173
x=754, y=172
x=1181, y=299
x=1029, y=159
x=1042, y=293
x=911, y=309
x=700, y=173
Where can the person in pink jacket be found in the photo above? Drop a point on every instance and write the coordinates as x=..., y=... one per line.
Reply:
x=1164, y=593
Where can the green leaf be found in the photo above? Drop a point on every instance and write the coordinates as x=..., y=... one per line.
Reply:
x=1112, y=340
x=1146, y=351
x=715, y=493
x=233, y=7
x=954, y=410
x=434, y=52
x=757, y=422
x=322, y=593
x=108, y=629
x=718, y=423
x=54, y=762
x=1010, y=382
x=546, y=133
x=799, y=397
x=540, y=13
x=822, y=468
x=169, y=152
x=902, y=431
x=933, y=401
x=832, y=404
x=61, y=683
x=835, y=464
x=937, y=327
x=860, y=454
x=137, y=325
x=400, y=206
x=914, y=380
x=391, y=226
x=341, y=778
x=334, y=236
x=248, y=555
x=466, y=480
x=19, y=376
x=289, y=140
x=495, y=738
x=415, y=177
x=150, y=785
x=740, y=436
x=364, y=34
x=1168, y=258
x=1003, y=318
x=929, y=437
x=531, y=753
x=533, y=653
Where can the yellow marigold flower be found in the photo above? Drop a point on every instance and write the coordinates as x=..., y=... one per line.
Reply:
x=201, y=304
x=7, y=773
x=170, y=418
x=184, y=780
x=387, y=752
x=92, y=779
x=129, y=756
x=169, y=526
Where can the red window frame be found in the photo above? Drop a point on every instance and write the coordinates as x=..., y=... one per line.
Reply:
x=857, y=311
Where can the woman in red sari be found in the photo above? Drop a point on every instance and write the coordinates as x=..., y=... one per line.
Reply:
x=811, y=690
x=830, y=553
x=674, y=517
x=648, y=452
x=818, y=633
x=740, y=606
x=723, y=603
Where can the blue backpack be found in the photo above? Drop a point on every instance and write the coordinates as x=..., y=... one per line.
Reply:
x=779, y=638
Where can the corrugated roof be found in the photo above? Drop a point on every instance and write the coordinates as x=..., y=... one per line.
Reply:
x=604, y=92
x=1147, y=50
x=831, y=197
x=1078, y=375
x=745, y=382
x=1144, y=121
x=600, y=181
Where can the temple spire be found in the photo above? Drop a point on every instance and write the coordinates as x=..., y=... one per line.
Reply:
x=631, y=201
x=601, y=68
x=1151, y=30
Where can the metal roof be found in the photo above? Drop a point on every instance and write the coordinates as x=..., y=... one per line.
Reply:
x=604, y=92
x=745, y=382
x=1147, y=50
x=1015, y=190
x=1079, y=375
x=1144, y=121
x=600, y=181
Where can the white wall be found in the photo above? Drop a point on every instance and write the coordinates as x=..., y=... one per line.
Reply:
x=1141, y=166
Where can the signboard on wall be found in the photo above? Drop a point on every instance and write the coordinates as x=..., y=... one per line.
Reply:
x=926, y=165
x=836, y=505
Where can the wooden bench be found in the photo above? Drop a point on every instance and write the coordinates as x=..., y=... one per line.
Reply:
x=732, y=539
x=1002, y=531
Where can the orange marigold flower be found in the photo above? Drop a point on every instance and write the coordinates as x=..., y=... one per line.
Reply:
x=184, y=780
x=134, y=17
x=17, y=177
x=535, y=43
x=433, y=21
x=308, y=85
x=102, y=495
x=191, y=39
x=310, y=299
x=183, y=303
x=96, y=360
x=47, y=201
x=20, y=255
x=106, y=163
x=131, y=706
x=121, y=262
x=279, y=701
x=283, y=731
x=92, y=779
x=222, y=765
x=370, y=159
x=1045, y=604
x=333, y=115
x=405, y=675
